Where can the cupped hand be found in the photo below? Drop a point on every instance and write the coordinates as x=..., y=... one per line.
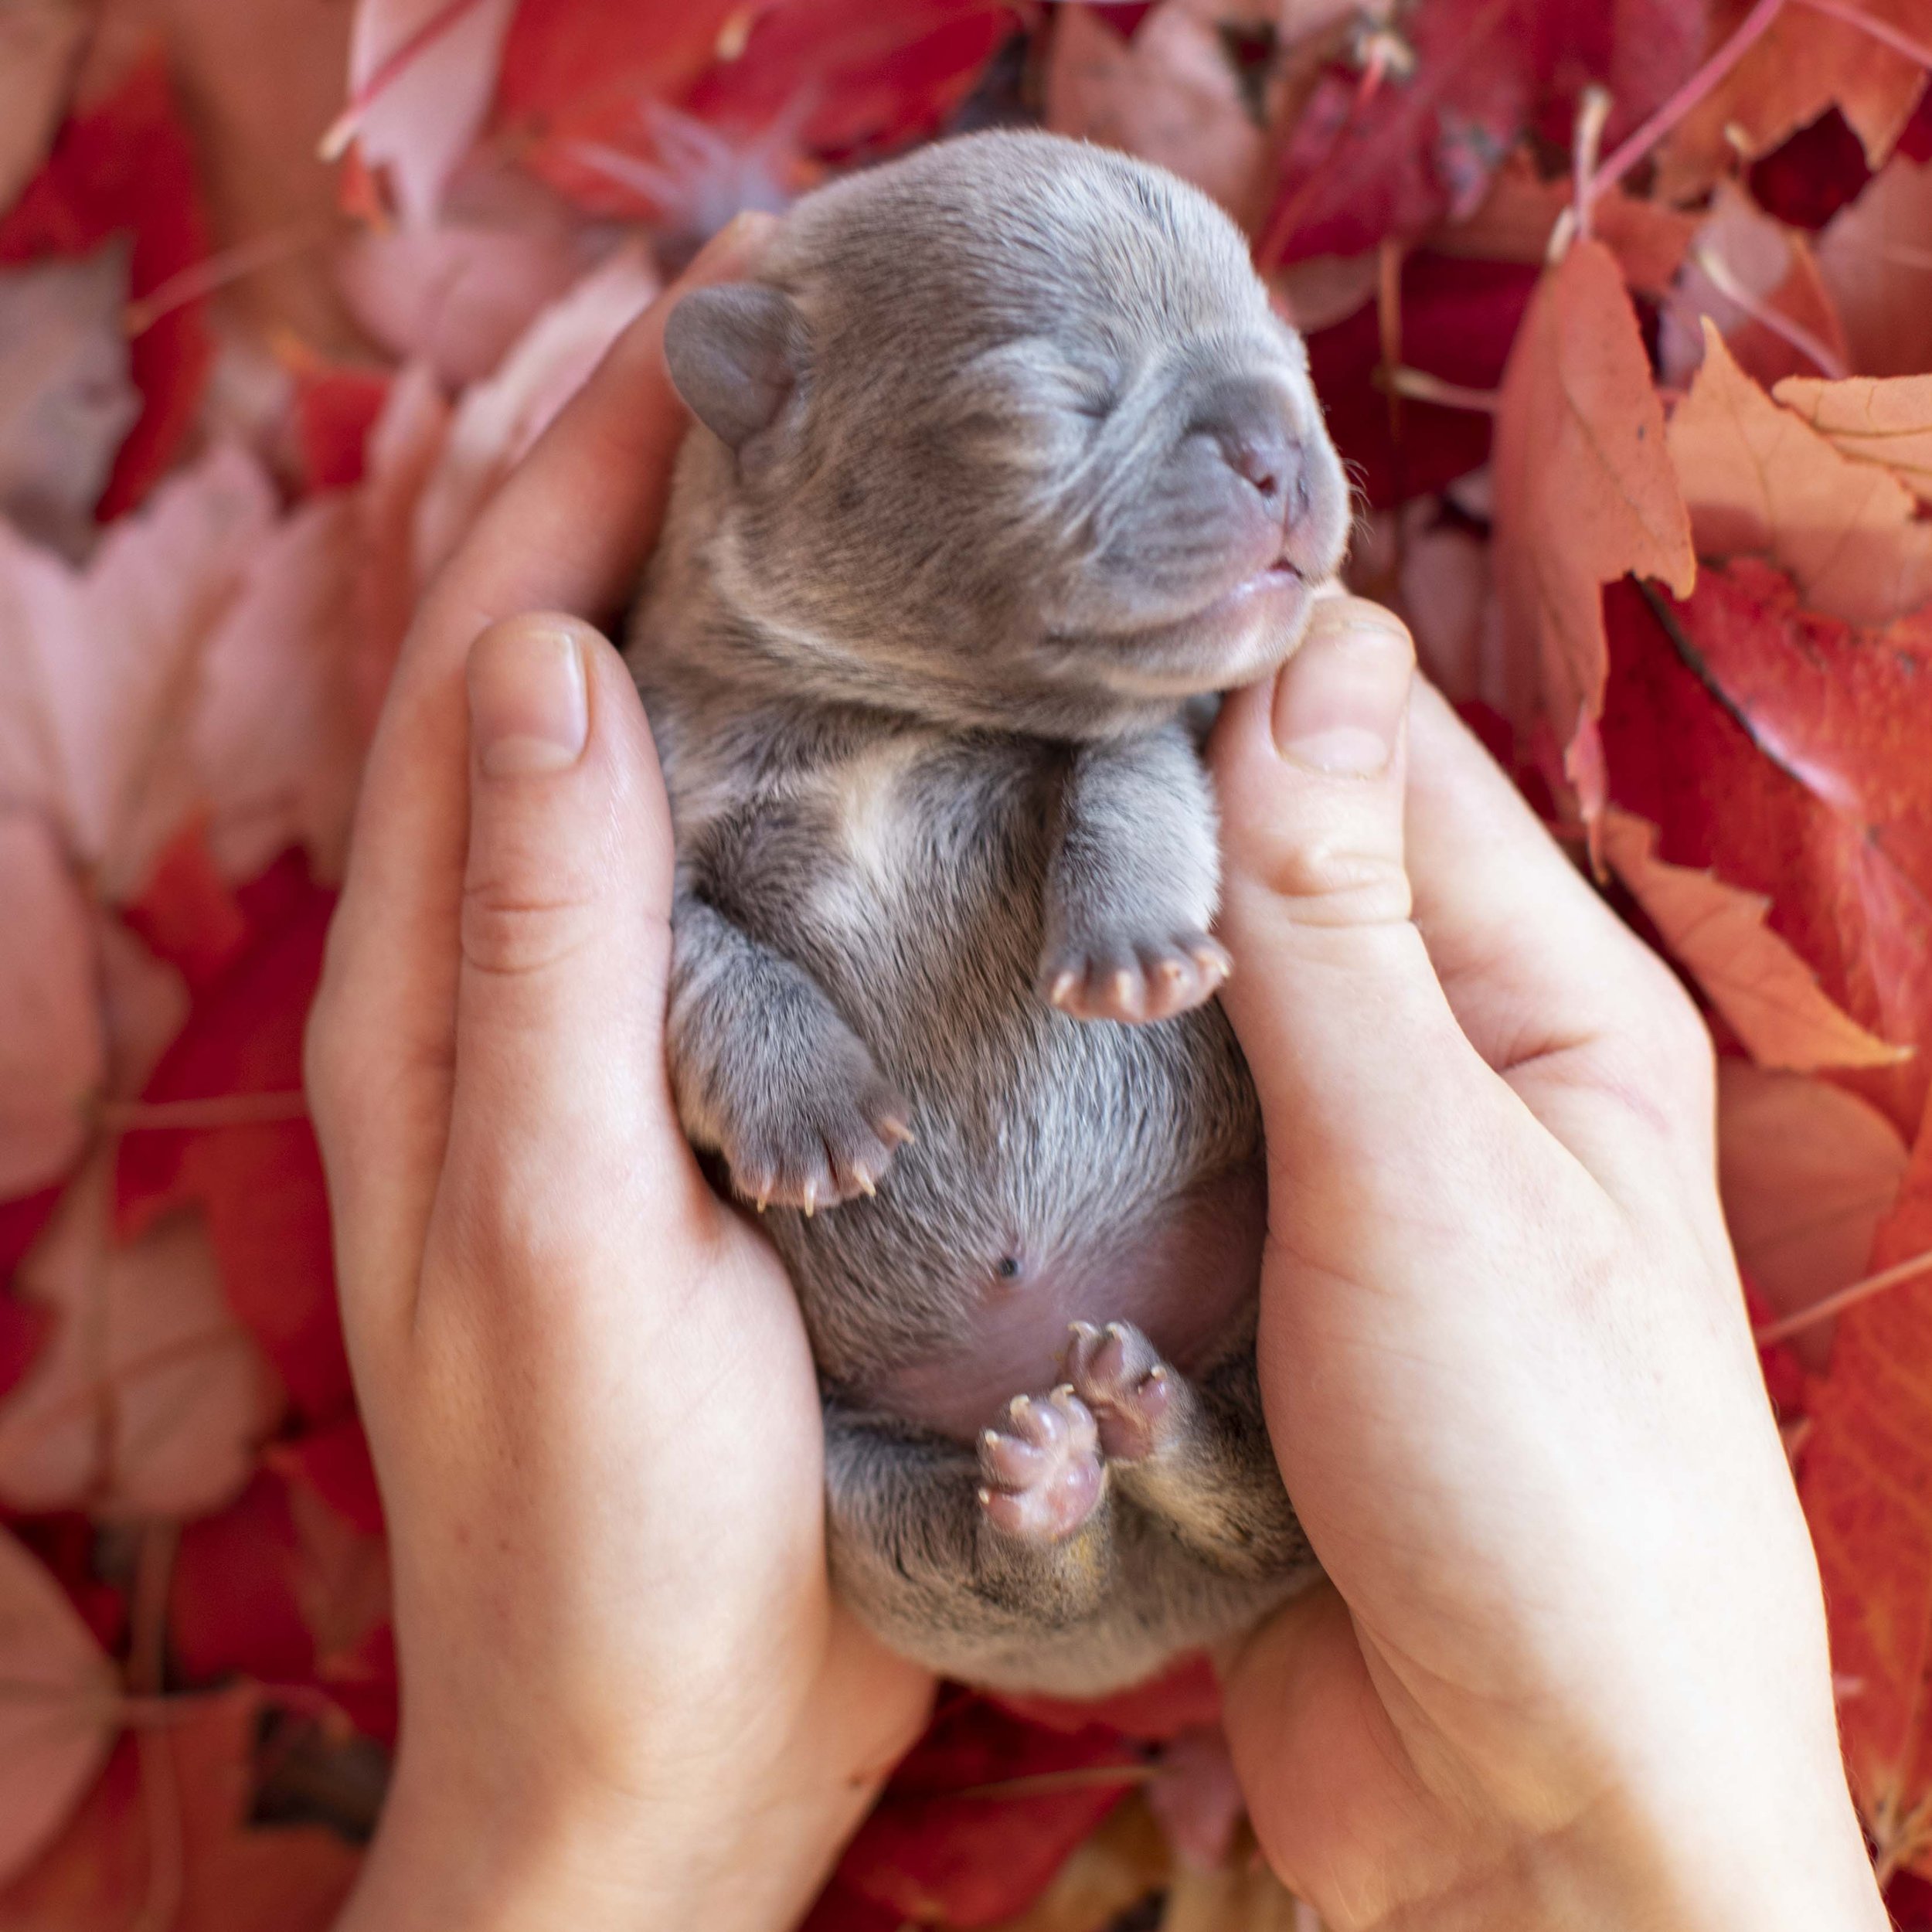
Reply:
x=627, y=1696
x=1570, y=1669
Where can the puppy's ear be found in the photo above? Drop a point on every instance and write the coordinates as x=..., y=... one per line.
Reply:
x=735, y=353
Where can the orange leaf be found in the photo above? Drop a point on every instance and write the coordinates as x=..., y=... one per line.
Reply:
x=1880, y=420
x=1771, y=998
x=1876, y=261
x=1584, y=492
x=1760, y=481
x=1866, y=1483
x=1805, y=63
x=1808, y=1172
x=58, y=1706
x=162, y=1840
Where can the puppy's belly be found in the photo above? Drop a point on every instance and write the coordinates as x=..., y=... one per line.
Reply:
x=1188, y=1278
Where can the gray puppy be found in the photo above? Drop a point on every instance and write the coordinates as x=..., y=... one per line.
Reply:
x=1005, y=464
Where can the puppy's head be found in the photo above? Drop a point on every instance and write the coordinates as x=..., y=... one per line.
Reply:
x=1011, y=431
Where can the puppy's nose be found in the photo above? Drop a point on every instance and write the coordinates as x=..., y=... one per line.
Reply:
x=1268, y=457
x=1250, y=428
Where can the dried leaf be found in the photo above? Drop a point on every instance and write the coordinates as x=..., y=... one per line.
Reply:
x=944, y=1843
x=59, y=1698
x=1806, y=63
x=1170, y=95
x=1749, y=275
x=1761, y=482
x=1584, y=493
x=422, y=72
x=97, y=669
x=1866, y=1481
x=273, y=734
x=1771, y=998
x=1514, y=221
x=1424, y=146
x=1785, y=750
x=498, y=419
x=1875, y=257
x=150, y=1399
x=1806, y=1171
x=163, y=1839
x=40, y=42
x=458, y=292
x=1886, y=422
x=1125, y=1861
x=258, y=1180
x=52, y=1052
x=66, y=401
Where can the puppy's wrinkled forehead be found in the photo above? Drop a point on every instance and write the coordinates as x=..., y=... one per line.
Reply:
x=1005, y=239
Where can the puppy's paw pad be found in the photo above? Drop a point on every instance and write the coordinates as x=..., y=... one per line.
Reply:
x=1129, y=1390
x=1134, y=982
x=817, y=1148
x=1041, y=1466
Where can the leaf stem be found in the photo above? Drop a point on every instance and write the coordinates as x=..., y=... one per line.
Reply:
x=1750, y=30
x=1882, y=31
x=1420, y=386
x=1717, y=273
x=1787, y=1325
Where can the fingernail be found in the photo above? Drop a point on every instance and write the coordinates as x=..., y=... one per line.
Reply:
x=529, y=711
x=1339, y=700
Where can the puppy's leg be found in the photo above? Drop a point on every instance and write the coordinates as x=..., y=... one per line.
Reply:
x=1195, y=1456
x=1134, y=883
x=766, y=1071
x=936, y=1545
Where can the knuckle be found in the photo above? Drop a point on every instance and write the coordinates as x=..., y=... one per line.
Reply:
x=510, y=930
x=1332, y=881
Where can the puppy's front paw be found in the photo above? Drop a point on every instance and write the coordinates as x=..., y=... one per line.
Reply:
x=1042, y=1466
x=1131, y=980
x=823, y=1136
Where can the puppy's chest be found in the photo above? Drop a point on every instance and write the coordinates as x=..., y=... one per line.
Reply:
x=907, y=876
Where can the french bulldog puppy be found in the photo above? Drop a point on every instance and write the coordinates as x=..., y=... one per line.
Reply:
x=1003, y=467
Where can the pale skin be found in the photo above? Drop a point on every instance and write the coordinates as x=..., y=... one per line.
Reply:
x=1571, y=1668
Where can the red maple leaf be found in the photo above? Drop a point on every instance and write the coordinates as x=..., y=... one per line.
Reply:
x=163, y=1839
x=982, y=1812
x=257, y=1175
x=1786, y=751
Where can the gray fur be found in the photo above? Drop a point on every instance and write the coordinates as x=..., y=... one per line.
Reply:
x=997, y=457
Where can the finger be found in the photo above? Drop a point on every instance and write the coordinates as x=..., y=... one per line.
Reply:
x=560, y=1066
x=568, y=530
x=1361, y=1068
x=1552, y=989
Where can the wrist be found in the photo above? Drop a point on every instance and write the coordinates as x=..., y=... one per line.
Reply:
x=1710, y=1868
x=450, y=1857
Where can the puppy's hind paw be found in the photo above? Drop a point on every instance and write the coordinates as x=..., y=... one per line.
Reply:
x=1134, y=982
x=1132, y=1396
x=1042, y=1468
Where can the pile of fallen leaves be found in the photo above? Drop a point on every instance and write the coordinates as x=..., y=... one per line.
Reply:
x=1622, y=311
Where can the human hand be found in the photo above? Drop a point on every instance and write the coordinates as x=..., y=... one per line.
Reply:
x=1572, y=1669
x=627, y=1696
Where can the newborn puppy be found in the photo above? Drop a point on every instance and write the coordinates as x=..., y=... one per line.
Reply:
x=1003, y=461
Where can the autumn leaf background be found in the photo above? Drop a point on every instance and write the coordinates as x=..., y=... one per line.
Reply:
x=1621, y=313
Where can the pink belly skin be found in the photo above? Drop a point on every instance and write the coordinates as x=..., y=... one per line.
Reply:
x=1187, y=1278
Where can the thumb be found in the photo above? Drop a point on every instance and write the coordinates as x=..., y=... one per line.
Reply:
x=566, y=894
x=1336, y=1004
